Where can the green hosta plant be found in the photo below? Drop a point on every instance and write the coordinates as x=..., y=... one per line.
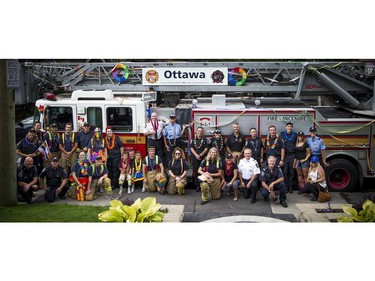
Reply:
x=146, y=210
x=367, y=214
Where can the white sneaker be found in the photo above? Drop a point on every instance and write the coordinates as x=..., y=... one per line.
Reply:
x=143, y=189
x=129, y=190
x=120, y=191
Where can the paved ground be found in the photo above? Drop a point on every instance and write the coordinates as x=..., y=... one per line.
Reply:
x=187, y=208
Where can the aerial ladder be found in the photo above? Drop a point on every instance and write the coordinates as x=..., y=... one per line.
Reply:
x=349, y=84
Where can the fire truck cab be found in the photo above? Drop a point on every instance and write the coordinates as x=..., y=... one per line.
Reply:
x=126, y=113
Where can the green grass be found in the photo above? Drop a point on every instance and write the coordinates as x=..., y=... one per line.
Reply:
x=51, y=213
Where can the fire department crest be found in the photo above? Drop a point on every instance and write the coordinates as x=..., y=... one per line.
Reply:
x=217, y=76
x=152, y=76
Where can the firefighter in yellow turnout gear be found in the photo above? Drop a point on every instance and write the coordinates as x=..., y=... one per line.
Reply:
x=153, y=172
x=211, y=171
x=98, y=177
x=177, y=169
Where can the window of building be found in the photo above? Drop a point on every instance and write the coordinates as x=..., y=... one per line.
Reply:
x=120, y=118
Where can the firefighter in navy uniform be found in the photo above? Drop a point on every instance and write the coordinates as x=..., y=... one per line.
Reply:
x=218, y=142
x=236, y=143
x=114, y=149
x=84, y=138
x=27, y=179
x=289, y=138
x=275, y=146
x=28, y=146
x=56, y=181
x=256, y=146
x=272, y=179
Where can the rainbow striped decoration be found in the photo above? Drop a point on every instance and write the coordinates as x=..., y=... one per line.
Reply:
x=44, y=149
x=236, y=71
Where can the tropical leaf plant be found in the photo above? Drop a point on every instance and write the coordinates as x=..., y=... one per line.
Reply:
x=146, y=210
x=367, y=214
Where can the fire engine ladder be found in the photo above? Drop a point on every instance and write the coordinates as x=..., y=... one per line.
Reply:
x=352, y=82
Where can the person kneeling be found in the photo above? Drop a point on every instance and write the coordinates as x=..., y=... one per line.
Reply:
x=153, y=173
x=177, y=172
x=211, y=173
x=98, y=177
x=272, y=179
x=56, y=181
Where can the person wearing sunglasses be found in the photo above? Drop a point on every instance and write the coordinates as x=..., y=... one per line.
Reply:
x=177, y=170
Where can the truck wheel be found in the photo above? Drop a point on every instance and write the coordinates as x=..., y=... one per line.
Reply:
x=342, y=175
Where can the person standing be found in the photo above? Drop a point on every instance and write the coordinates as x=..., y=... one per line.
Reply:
x=38, y=131
x=218, y=142
x=153, y=173
x=317, y=147
x=137, y=169
x=27, y=179
x=84, y=138
x=248, y=173
x=236, y=143
x=154, y=133
x=96, y=147
x=289, y=137
x=38, y=161
x=52, y=137
x=256, y=146
x=272, y=179
x=275, y=146
x=172, y=134
x=301, y=162
x=56, y=181
x=177, y=169
x=68, y=145
x=230, y=174
x=98, y=178
x=211, y=173
x=199, y=148
x=125, y=173
x=114, y=150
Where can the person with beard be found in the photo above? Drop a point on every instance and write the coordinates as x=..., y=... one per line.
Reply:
x=235, y=143
x=275, y=146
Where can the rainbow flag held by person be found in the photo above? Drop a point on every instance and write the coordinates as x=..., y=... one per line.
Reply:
x=44, y=149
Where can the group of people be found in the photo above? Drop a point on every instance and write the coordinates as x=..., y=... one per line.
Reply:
x=252, y=165
x=235, y=164
x=96, y=168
